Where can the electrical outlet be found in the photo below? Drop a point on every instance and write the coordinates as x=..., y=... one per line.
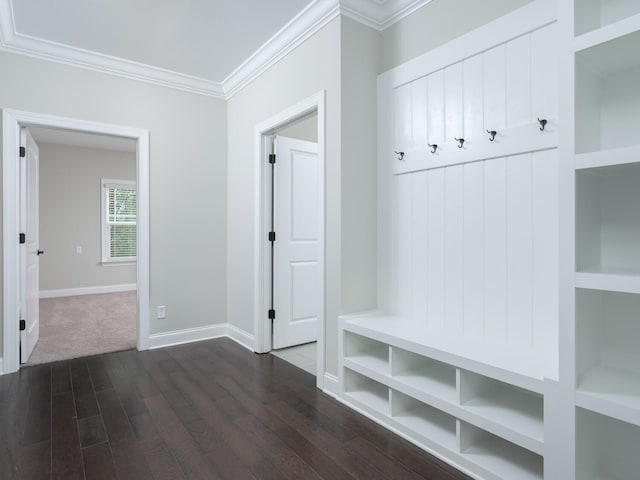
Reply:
x=162, y=311
x=78, y=249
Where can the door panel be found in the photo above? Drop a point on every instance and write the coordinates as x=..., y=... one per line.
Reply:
x=297, y=274
x=29, y=283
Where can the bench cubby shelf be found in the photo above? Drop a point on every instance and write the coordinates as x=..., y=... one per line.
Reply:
x=483, y=419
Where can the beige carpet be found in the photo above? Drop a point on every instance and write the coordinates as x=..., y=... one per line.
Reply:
x=72, y=327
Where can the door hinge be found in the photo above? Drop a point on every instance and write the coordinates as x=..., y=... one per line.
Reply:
x=22, y=238
x=23, y=325
x=272, y=236
x=272, y=314
x=23, y=152
x=272, y=158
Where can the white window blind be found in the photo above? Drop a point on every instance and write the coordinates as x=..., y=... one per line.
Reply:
x=119, y=221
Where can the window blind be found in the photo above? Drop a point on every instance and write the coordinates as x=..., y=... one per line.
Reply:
x=121, y=221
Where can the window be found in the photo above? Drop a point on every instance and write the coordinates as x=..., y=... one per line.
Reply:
x=119, y=207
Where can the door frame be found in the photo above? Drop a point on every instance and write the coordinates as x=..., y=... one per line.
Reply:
x=12, y=121
x=262, y=260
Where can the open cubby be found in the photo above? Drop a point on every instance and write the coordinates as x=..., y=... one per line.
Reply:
x=607, y=353
x=498, y=456
x=607, y=91
x=368, y=392
x=606, y=448
x=423, y=420
x=608, y=219
x=424, y=374
x=366, y=352
x=591, y=15
x=516, y=412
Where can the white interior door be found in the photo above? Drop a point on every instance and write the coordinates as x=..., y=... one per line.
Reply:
x=29, y=265
x=297, y=271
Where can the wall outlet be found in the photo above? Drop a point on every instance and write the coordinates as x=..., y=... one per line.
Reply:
x=162, y=311
x=78, y=249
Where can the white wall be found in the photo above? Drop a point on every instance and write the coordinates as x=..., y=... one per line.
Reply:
x=70, y=216
x=438, y=22
x=188, y=188
x=306, y=129
x=310, y=68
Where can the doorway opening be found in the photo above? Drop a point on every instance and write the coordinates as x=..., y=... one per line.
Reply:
x=290, y=236
x=20, y=337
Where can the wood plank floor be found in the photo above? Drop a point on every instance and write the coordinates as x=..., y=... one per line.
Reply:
x=210, y=410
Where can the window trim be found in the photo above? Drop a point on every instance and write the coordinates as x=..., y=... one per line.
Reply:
x=105, y=184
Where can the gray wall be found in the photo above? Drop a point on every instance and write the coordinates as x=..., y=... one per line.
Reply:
x=188, y=172
x=70, y=216
x=306, y=129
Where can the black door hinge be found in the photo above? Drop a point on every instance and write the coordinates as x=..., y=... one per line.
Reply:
x=272, y=236
x=272, y=158
x=23, y=325
x=23, y=152
x=272, y=314
x=22, y=238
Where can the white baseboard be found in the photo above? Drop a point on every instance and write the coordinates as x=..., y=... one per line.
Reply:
x=331, y=385
x=72, y=292
x=241, y=337
x=188, y=335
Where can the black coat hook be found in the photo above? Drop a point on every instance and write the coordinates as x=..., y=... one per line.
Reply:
x=492, y=135
x=434, y=147
x=460, y=141
x=400, y=155
x=543, y=123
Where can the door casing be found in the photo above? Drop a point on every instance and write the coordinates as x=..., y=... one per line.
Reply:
x=262, y=273
x=12, y=121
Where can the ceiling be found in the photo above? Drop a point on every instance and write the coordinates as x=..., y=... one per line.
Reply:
x=80, y=139
x=212, y=47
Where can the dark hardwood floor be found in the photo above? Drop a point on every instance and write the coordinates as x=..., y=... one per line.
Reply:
x=202, y=411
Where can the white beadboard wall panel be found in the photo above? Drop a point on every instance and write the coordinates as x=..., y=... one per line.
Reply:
x=435, y=248
x=419, y=245
x=494, y=88
x=495, y=250
x=472, y=72
x=544, y=72
x=435, y=113
x=473, y=254
x=518, y=81
x=519, y=251
x=454, y=248
x=419, y=113
x=402, y=243
x=454, y=110
x=403, y=117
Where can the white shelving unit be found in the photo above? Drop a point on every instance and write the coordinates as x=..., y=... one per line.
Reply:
x=607, y=238
x=486, y=420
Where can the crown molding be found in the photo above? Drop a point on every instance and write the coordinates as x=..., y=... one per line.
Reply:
x=315, y=16
x=380, y=14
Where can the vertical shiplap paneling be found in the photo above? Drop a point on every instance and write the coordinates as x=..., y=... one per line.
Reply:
x=419, y=113
x=519, y=81
x=454, y=112
x=493, y=85
x=402, y=245
x=473, y=255
x=419, y=246
x=472, y=73
x=545, y=253
x=544, y=72
x=454, y=270
x=495, y=249
x=435, y=101
x=519, y=250
x=435, y=248
x=402, y=117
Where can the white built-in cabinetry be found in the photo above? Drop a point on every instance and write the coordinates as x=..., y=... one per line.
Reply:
x=606, y=150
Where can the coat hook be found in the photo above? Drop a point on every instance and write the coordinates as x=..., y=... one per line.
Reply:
x=400, y=155
x=460, y=141
x=434, y=147
x=492, y=135
x=543, y=123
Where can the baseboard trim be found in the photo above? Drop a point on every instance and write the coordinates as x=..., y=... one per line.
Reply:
x=72, y=292
x=331, y=385
x=241, y=337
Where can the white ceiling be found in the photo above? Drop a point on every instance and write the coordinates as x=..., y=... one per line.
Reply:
x=212, y=47
x=81, y=139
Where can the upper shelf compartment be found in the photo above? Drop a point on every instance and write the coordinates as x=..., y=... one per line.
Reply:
x=596, y=16
x=608, y=95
